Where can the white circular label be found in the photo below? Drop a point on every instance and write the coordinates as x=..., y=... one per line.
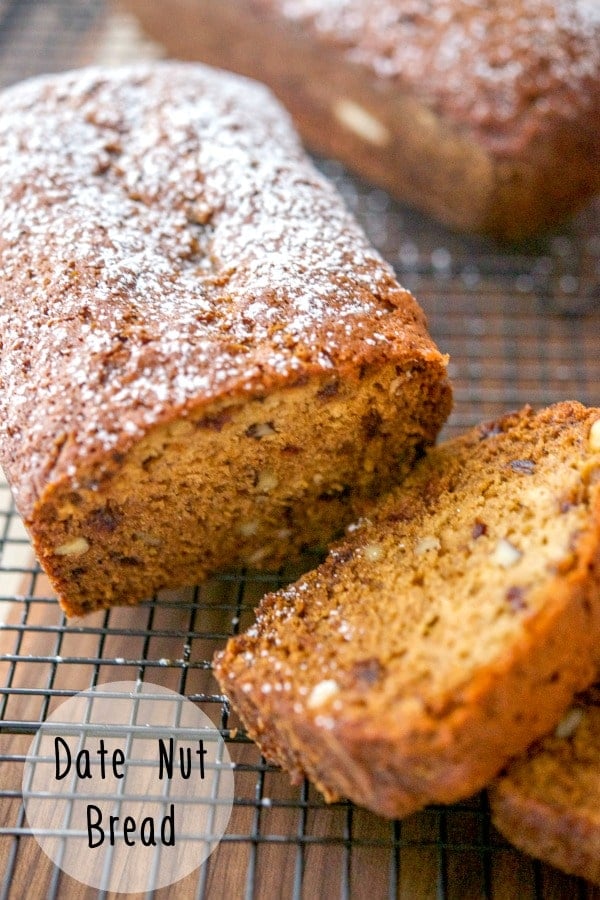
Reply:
x=128, y=787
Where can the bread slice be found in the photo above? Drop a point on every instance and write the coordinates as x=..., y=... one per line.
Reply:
x=204, y=362
x=451, y=628
x=547, y=802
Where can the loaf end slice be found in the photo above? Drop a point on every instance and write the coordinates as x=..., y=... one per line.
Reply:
x=204, y=363
x=450, y=630
x=547, y=802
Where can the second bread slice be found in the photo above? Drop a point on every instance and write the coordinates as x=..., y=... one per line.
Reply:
x=548, y=801
x=448, y=632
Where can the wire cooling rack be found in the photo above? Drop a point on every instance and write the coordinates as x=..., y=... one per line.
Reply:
x=521, y=326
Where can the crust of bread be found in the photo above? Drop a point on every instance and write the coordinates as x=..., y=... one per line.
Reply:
x=355, y=708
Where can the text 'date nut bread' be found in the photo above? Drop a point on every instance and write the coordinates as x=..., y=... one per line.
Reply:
x=204, y=363
x=483, y=113
x=548, y=801
x=451, y=628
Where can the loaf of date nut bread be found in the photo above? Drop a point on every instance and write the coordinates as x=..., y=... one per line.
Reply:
x=548, y=801
x=483, y=114
x=204, y=363
x=450, y=630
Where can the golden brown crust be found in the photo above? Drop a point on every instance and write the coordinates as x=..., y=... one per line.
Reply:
x=547, y=802
x=186, y=307
x=481, y=113
x=430, y=645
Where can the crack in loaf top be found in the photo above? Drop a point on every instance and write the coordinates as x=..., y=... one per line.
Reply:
x=164, y=243
x=502, y=68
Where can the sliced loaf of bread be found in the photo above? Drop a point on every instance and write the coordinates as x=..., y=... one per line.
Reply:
x=448, y=632
x=223, y=365
x=547, y=803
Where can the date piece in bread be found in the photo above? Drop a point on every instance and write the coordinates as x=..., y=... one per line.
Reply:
x=450, y=630
x=483, y=113
x=204, y=362
x=547, y=803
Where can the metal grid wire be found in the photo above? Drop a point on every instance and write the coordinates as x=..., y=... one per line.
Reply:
x=520, y=326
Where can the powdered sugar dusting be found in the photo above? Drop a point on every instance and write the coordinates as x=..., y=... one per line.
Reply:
x=165, y=242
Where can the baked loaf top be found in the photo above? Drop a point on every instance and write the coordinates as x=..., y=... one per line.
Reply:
x=429, y=647
x=165, y=243
x=548, y=801
x=503, y=71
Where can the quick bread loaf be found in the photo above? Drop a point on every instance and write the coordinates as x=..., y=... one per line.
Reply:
x=482, y=113
x=547, y=803
x=204, y=363
x=447, y=632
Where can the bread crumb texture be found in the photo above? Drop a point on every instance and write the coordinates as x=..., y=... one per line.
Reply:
x=457, y=621
x=204, y=362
